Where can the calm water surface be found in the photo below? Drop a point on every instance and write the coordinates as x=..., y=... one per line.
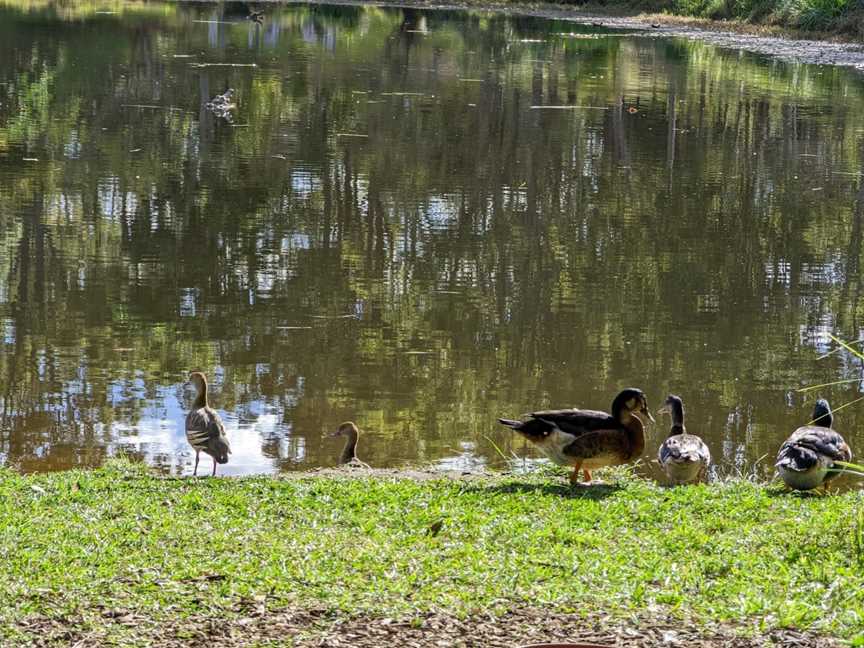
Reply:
x=417, y=220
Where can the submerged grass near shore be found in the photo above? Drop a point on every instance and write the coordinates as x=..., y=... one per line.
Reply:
x=118, y=554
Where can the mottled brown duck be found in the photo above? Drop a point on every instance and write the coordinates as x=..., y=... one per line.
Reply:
x=684, y=457
x=351, y=433
x=588, y=439
x=204, y=429
x=807, y=458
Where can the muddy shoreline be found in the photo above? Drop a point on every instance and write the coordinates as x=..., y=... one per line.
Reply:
x=786, y=47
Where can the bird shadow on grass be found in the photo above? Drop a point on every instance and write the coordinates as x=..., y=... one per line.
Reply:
x=781, y=491
x=566, y=491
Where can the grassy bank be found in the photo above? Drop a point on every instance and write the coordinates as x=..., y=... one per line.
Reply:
x=118, y=555
x=820, y=17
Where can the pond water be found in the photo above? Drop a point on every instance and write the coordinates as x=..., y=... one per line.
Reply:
x=418, y=220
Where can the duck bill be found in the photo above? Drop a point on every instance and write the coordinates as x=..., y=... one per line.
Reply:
x=648, y=414
x=664, y=410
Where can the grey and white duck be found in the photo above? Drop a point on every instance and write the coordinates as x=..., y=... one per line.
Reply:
x=684, y=457
x=806, y=459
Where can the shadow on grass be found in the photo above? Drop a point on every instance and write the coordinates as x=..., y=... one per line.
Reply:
x=780, y=491
x=566, y=491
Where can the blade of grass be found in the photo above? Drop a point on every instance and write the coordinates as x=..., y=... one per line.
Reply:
x=829, y=384
x=837, y=350
x=497, y=449
x=854, y=352
x=850, y=468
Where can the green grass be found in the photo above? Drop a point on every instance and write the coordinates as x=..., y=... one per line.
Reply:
x=78, y=544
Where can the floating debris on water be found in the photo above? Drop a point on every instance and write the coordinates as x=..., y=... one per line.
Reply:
x=569, y=107
x=360, y=135
x=294, y=328
x=30, y=159
x=203, y=65
x=326, y=317
x=221, y=105
x=470, y=80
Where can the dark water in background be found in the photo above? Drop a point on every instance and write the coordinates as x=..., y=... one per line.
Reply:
x=390, y=232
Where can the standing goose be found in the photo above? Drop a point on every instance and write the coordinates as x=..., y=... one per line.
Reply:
x=588, y=439
x=351, y=432
x=683, y=456
x=806, y=459
x=204, y=429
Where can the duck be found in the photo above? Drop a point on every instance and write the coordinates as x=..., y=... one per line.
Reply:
x=204, y=429
x=351, y=432
x=806, y=459
x=683, y=456
x=255, y=16
x=587, y=439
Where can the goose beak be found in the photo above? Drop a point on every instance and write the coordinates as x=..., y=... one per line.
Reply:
x=647, y=413
x=663, y=410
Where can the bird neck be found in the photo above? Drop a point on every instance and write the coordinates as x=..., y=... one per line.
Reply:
x=349, y=452
x=201, y=397
x=826, y=421
x=635, y=435
x=677, y=411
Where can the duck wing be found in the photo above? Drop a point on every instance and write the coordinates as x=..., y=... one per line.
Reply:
x=807, y=445
x=684, y=448
x=572, y=421
x=205, y=432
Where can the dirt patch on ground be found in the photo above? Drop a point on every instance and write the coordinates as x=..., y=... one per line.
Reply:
x=259, y=626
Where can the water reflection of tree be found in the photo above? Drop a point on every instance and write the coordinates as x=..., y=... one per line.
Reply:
x=537, y=256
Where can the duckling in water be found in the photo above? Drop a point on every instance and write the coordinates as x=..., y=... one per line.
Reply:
x=683, y=456
x=588, y=439
x=806, y=459
x=351, y=432
x=204, y=429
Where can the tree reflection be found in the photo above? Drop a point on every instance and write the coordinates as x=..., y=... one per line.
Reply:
x=398, y=229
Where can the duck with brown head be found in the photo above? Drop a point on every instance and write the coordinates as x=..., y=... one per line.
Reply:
x=588, y=439
x=351, y=433
x=204, y=429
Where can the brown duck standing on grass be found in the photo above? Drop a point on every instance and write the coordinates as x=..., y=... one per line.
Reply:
x=684, y=457
x=588, y=439
x=204, y=429
x=351, y=432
